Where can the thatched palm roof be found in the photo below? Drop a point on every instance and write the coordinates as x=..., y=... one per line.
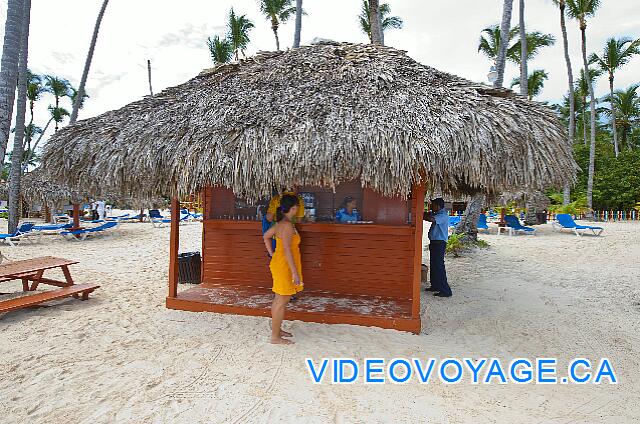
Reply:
x=36, y=188
x=317, y=115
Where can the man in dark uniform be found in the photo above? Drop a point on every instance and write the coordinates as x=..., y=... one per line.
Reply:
x=438, y=236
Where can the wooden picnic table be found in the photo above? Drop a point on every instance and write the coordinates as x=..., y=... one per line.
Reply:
x=31, y=271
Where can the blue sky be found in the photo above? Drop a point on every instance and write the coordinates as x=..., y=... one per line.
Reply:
x=173, y=34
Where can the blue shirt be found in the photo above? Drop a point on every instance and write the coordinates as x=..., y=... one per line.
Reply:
x=343, y=216
x=440, y=227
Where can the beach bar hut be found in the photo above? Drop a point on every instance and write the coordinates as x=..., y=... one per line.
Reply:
x=330, y=120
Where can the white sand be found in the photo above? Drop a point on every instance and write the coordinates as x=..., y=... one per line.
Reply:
x=122, y=357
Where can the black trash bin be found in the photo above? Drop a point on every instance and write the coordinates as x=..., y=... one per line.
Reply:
x=189, y=267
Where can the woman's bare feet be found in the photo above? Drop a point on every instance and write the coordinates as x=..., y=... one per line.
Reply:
x=285, y=334
x=280, y=340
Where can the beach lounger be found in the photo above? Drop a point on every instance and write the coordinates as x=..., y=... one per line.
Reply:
x=117, y=218
x=61, y=218
x=155, y=214
x=482, y=222
x=453, y=222
x=86, y=232
x=51, y=228
x=564, y=221
x=514, y=226
x=22, y=232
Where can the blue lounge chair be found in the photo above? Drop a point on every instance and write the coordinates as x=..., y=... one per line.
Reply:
x=155, y=214
x=18, y=235
x=514, y=226
x=84, y=233
x=52, y=227
x=482, y=222
x=453, y=221
x=117, y=218
x=564, y=221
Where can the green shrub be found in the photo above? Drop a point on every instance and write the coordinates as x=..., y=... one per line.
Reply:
x=455, y=244
x=4, y=215
x=482, y=244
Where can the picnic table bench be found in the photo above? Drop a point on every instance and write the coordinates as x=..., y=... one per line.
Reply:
x=30, y=272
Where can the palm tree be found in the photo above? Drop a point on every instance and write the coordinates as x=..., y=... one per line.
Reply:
x=9, y=70
x=535, y=82
x=298, y=31
x=581, y=10
x=59, y=87
x=221, y=50
x=386, y=21
x=534, y=42
x=238, y=28
x=490, y=39
x=582, y=92
x=562, y=5
x=34, y=91
x=617, y=53
x=73, y=95
x=626, y=112
x=57, y=115
x=30, y=132
x=524, y=73
x=87, y=65
x=277, y=11
x=505, y=30
x=489, y=43
x=21, y=110
x=373, y=14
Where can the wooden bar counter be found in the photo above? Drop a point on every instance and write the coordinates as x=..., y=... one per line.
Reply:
x=365, y=274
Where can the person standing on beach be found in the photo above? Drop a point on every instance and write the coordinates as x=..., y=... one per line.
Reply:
x=438, y=236
x=286, y=264
x=101, y=208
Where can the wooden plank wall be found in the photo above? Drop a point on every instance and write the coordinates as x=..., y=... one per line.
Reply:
x=357, y=264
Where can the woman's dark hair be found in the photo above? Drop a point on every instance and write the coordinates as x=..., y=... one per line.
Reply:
x=346, y=201
x=286, y=203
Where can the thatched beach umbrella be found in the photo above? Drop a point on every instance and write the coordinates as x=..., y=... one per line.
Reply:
x=317, y=115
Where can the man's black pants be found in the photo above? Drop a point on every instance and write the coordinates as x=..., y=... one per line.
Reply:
x=437, y=273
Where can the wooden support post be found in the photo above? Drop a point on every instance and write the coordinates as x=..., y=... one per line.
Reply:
x=141, y=214
x=47, y=213
x=174, y=246
x=418, y=206
x=76, y=216
x=502, y=222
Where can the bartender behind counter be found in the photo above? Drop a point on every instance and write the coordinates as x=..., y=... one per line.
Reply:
x=348, y=211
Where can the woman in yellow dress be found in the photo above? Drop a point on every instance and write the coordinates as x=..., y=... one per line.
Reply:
x=286, y=265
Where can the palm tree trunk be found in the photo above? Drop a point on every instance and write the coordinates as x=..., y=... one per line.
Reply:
x=616, y=148
x=149, y=74
x=274, y=28
x=469, y=222
x=381, y=29
x=505, y=27
x=584, y=120
x=296, y=35
x=21, y=111
x=374, y=21
x=524, y=74
x=87, y=65
x=592, y=147
x=9, y=70
x=42, y=134
x=572, y=101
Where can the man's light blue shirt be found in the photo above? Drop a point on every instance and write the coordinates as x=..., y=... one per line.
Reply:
x=440, y=227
